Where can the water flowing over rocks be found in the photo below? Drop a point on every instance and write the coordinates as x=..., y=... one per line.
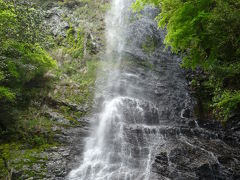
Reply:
x=142, y=126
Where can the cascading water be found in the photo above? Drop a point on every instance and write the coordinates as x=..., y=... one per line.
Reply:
x=122, y=141
x=140, y=130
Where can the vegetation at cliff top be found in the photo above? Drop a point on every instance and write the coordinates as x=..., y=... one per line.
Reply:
x=206, y=33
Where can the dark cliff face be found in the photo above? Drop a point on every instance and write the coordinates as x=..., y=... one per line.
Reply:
x=147, y=113
x=184, y=150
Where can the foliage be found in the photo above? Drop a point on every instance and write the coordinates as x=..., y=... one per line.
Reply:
x=206, y=32
x=71, y=3
x=6, y=94
x=225, y=103
x=78, y=87
x=18, y=157
x=26, y=128
x=75, y=41
x=23, y=58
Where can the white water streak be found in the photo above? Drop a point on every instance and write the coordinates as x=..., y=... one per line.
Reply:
x=114, y=152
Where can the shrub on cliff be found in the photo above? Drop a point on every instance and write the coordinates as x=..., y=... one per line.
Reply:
x=71, y=3
x=23, y=58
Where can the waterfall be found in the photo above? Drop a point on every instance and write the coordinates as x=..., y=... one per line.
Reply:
x=122, y=141
x=138, y=127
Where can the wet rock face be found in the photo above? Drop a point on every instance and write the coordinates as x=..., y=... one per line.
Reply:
x=146, y=114
x=62, y=159
x=186, y=162
x=54, y=19
x=186, y=113
x=161, y=165
x=186, y=149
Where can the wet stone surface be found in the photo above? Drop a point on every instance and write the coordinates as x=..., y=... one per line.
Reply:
x=145, y=125
x=147, y=118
